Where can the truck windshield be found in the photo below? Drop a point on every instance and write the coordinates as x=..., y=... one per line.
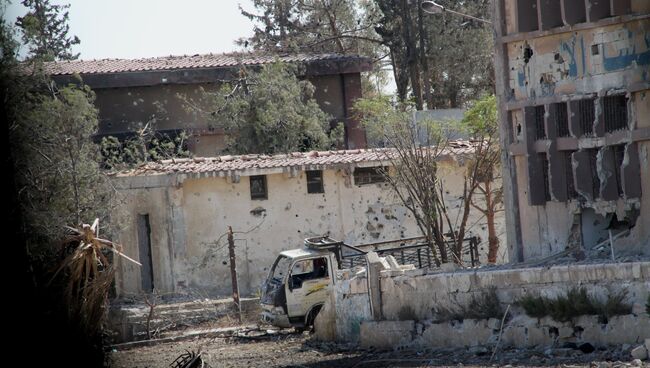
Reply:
x=280, y=268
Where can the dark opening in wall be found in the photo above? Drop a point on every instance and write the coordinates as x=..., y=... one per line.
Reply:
x=571, y=190
x=615, y=113
x=586, y=116
x=550, y=14
x=527, y=15
x=258, y=187
x=593, y=165
x=574, y=11
x=598, y=9
x=621, y=7
x=369, y=175
x=547, y=188
x=540, y=131
x=560, y=119
x=619, y=154
x=315, y=181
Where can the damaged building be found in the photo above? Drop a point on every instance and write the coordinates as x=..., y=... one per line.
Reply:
x=573, y=79
x=178, y=211
x=132, y=92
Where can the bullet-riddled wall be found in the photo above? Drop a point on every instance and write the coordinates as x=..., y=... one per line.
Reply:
x=573, y=79
x=188, y=218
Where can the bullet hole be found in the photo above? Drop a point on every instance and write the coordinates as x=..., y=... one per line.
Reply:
x=518, y=129
x=296, y=215
x=528, y=53
x=224, y=262
x=558, y=58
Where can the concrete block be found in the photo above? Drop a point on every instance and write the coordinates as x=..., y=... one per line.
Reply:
x=640, y=352
x=386, y=334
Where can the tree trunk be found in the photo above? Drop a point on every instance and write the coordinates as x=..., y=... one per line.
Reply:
x=493, y=240
x=411, y=52
x=424, y=61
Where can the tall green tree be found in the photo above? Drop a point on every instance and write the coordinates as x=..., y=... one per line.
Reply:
x=57, y=178
x=45, y=31
x=438, y=60
x=319, y=26
x=268, y=111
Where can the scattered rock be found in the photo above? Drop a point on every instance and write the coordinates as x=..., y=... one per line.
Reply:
x=639, y=352
x=637, y=363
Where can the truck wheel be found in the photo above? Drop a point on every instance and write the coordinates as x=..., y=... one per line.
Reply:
x=309, y=323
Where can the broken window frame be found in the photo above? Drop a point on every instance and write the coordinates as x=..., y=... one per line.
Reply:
x=369, y=175
x=315, y=181
x=545, y=174
x=258, y=187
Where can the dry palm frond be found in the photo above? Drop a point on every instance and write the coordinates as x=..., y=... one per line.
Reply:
x=88, y=272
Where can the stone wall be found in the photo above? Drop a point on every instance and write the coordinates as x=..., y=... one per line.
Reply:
x=410, y=298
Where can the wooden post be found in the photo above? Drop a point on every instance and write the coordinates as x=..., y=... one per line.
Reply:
x=233, y=270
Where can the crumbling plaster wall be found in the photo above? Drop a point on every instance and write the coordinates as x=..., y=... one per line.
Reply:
x=426, y=292
x=590, y=62
x=189, y=215
x=415, y=296
x=155, y=202
x=581, y=62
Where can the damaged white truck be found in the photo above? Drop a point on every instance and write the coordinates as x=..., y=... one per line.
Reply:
x=298, y=283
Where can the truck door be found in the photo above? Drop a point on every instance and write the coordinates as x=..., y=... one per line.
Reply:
x=307, y=285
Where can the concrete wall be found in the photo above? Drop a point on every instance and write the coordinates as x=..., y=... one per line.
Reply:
x=562, y=59
x=124, y=110
x=415, y=295
x=189, y=215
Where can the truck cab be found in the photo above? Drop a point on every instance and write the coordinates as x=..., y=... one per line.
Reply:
x=297, y=286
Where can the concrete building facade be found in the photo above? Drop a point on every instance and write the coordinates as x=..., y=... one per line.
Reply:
x=573, y=80
x=177, y=213
x=130, y=93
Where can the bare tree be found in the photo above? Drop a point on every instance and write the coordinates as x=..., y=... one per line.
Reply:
x=481, y=121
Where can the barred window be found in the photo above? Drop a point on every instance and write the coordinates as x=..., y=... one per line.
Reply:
x=369, y=175
x=258, y=187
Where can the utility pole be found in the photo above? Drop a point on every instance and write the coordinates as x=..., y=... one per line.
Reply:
x=233, y=271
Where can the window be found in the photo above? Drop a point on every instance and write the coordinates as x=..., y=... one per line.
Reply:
x=258, y=187
x=615, y=112
x=619, y=155
x=559, y=116
x=308, y=269
x=586, y=115
x=571, y=190
x=315, y=181
x=593, y=164
x=369, y=175
x=547, y=187
x=540, y=132
x=527, y=15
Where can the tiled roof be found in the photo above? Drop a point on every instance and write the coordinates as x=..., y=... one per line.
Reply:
x=199, y=165
x=104, y=66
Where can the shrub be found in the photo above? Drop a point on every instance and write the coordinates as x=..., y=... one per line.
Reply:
x=576, y=302
x=484, y=306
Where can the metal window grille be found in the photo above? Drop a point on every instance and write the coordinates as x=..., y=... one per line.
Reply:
x=571, y=190
x=615, y=111
x=586, y=114
x=369, y=175
x=593, y=163
x=560, y=117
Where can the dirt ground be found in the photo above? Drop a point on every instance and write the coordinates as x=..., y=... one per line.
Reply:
x=283, y=349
